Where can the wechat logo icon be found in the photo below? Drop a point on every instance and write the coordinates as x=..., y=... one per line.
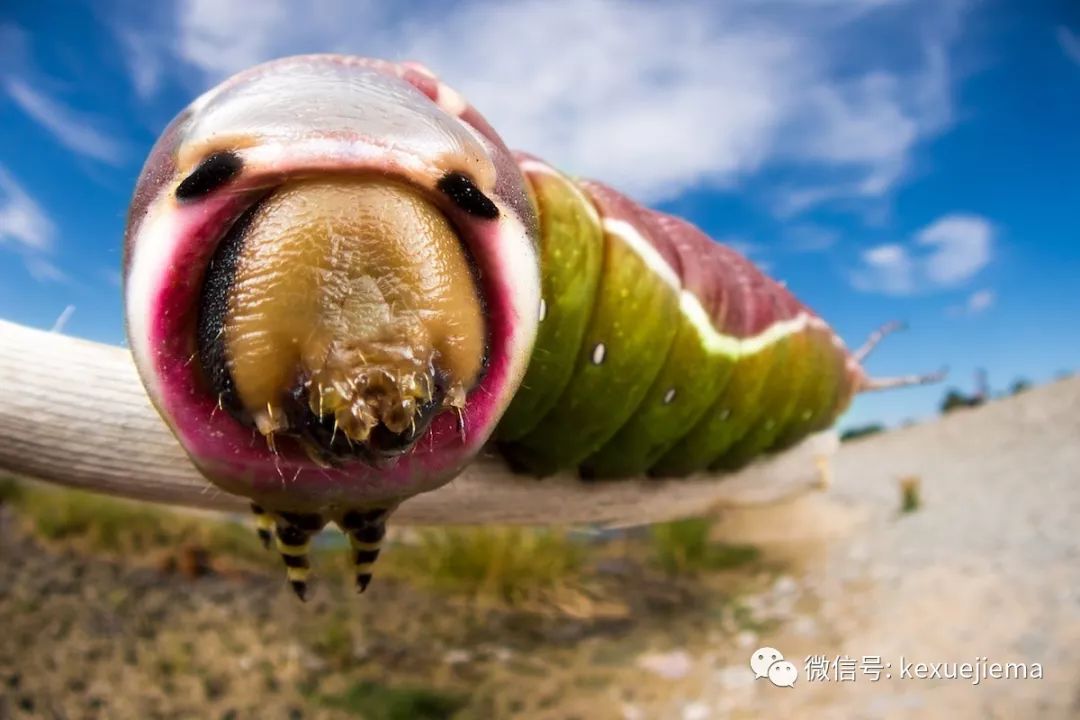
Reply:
x=769, y=663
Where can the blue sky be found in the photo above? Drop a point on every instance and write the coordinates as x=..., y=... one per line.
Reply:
x=888, y=159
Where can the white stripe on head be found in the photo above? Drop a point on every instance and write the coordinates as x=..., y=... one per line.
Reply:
x=152, y=250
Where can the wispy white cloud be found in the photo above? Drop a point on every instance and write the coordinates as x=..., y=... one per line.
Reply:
x=44, y=270
x=735, y=90
x=887, y=269
x=1070, y=43
x=980, y=301
x=703, y=110
x=809, y=238
x=976, y=303
x=72, y=129
x=221, y=38
x=27, y=229
x=652, y=97
x=944, y=254
x=22, y=220
x=864, y=132
x=960, y=246
x=143, y=60
x=62, y=319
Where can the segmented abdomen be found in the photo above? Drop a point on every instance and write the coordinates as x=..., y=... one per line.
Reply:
x=660, y=350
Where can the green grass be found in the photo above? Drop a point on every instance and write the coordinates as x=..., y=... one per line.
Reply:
x=507, y=564
x=683, y=547
x=510, y=564
x=910, y=494
x=331, y=637
x=104, y=524
x=373, y=701
x=861, y=431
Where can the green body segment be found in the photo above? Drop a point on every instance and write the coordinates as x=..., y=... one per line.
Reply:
x=776, y=404
x=571, y=252
x=816, y=407
x=845, y=375
x=681, y=394
x=634, y=317
x=623, y=381
x=727, y=420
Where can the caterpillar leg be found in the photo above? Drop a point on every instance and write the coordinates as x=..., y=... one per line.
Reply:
x=293, y=538
x=264, y=524
x=366, y=530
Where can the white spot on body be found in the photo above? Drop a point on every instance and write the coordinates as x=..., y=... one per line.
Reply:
x=543, y=309
x=669, y=396
x=598, y=354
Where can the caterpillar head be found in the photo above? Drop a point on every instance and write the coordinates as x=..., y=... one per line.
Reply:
x=330, y=282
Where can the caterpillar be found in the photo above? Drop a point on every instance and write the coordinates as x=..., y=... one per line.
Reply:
x=340, y=286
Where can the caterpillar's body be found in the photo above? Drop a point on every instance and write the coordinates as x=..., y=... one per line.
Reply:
x=660, y=350
x=341, y=255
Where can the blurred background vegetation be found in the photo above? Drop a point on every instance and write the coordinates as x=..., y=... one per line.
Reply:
x=460, y=622
x=121, y=609
x=954, y=399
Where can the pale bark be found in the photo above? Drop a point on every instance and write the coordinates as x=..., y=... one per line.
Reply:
x=73, y=412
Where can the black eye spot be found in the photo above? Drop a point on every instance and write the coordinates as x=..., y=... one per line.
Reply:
x=213, y=172
x=459, y=188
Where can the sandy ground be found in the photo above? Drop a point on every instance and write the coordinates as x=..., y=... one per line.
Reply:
x=988, y=567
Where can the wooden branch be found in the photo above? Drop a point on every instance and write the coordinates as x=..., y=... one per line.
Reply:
x=73, y=412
